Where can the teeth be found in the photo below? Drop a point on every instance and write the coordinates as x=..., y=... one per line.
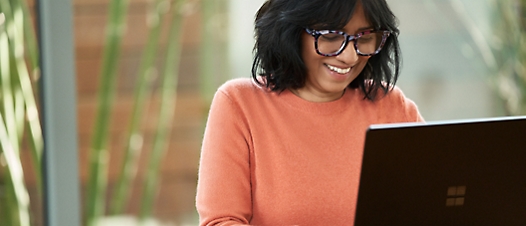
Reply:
x=339, y=70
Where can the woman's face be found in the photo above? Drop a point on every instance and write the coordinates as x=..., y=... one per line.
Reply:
x=327, y=77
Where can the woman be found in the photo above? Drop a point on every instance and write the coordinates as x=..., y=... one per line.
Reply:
x=286, y=147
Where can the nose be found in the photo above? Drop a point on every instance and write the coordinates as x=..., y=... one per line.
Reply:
x=348, y=55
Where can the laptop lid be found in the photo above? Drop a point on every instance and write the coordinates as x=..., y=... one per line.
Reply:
x=468, y=172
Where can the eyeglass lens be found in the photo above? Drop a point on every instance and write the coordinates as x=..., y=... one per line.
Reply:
x=331, y=43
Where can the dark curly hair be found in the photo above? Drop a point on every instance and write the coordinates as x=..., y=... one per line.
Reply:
x=278, y=28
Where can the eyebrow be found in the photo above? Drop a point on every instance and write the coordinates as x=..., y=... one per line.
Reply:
x=362, y=29
x=366, y=28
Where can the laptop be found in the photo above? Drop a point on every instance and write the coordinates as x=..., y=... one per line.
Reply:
x=467, y=172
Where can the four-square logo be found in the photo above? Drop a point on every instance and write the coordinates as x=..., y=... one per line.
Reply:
x=455, y=196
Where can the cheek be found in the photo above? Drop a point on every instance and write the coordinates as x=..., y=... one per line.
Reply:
x=307, y=47
x=363, y=62
x=308, y=52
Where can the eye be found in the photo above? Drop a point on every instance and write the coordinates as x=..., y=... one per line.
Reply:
x=331, y=37
x=371, y=37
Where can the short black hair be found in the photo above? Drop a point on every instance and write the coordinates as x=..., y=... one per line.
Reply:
x=277, y=51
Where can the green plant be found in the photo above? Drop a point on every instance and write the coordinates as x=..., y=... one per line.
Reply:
x=508, y=45
x=503, y=49
x=99, y=153
x=19, y=119
x=97, y=184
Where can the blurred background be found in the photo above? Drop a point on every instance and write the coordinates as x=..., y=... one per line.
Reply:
x=461, y=59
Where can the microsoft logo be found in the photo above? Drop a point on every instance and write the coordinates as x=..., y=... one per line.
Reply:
x=455, y=196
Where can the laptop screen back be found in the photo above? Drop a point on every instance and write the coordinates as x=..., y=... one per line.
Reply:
x=444, y=173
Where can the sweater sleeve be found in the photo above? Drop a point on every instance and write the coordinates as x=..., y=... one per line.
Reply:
x=224, y=189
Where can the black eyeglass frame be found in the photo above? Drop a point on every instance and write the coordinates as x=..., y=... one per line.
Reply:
x=348, y=38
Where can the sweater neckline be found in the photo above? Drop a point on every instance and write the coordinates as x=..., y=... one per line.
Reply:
x=330, y=107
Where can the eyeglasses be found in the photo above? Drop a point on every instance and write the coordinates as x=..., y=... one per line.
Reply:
x=332, y=43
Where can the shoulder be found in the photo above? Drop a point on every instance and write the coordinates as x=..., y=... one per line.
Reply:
x=239, y=87
x=395, y=95
x=237, y=83
x=396, y=106
x=241, y=91
x=392, y=96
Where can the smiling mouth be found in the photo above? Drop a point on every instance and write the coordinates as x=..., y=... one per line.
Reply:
x=339, y=70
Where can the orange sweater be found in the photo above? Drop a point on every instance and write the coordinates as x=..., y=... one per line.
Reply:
x=273, y=158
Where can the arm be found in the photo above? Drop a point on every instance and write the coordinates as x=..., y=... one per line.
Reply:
x=223, y=190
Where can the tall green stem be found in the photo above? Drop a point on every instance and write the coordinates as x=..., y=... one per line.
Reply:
x=142, y=93
x=17, y=203
x=20, y=213
x=10, y=48
x=18, y=106
x=28, y=102
x=30, y=38
x=99, y=154
x=166, y=111
x=207, y=49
